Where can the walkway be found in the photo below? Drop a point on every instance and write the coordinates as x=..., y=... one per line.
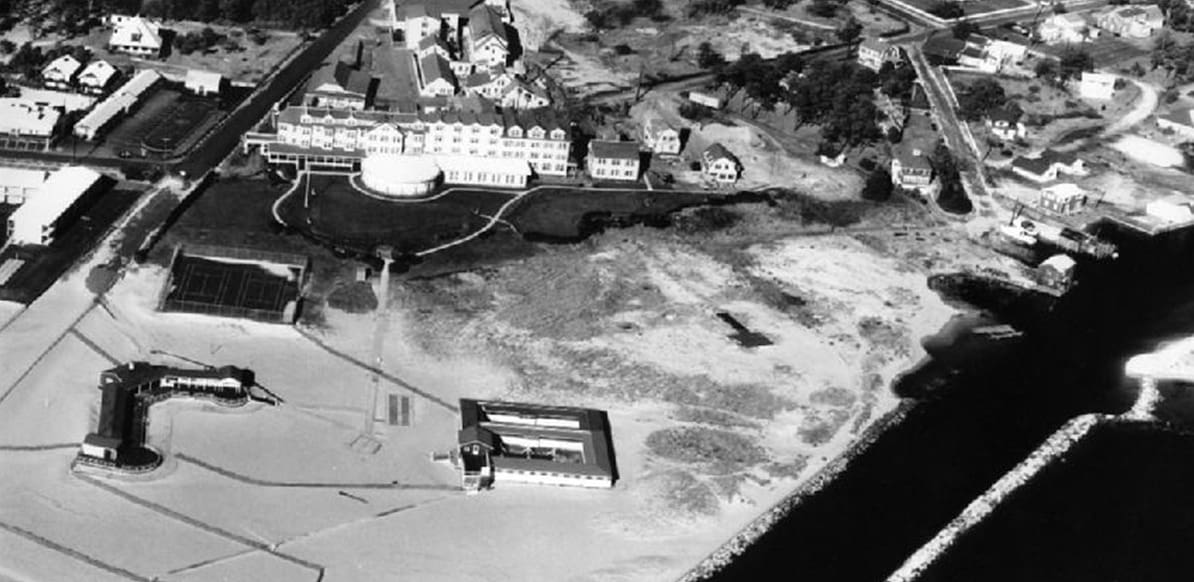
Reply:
x=183, y=457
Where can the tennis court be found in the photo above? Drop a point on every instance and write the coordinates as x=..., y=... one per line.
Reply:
x=234, y=287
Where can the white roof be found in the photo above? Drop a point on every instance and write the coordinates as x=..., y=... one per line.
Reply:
x=1064, y=190
x=63, y=66
x=398, y=169
x=57, y=194
x=1170, y=211
x=136, y=31
x=120, y=101
x=1099, y=78
x=1062, y=263
x=203, y=78
x=26, y=118
x=478, y=164
x=68, y=101
x=97, y=73
x=21, y=177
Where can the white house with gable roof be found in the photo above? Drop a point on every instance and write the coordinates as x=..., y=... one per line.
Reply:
x=60, y=73
x=136, y=36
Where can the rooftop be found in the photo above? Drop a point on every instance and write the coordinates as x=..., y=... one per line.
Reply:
x=625, y=150
x=490, y=422
x=24, y=117
x=57, y=194
x=717, y=152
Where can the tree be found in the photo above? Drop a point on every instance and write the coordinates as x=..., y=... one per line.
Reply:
x=708, y=58
x=964, y=28
x=7, y=46
x=823, y=8
x=1074, y=61
x=947, y=9
x=952, y=197
x=878, y=186
x=980, y=98
x=1046, y=69
x=778, y=4
x=849, y=30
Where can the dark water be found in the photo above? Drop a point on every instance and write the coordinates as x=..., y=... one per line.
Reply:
x=953, y=446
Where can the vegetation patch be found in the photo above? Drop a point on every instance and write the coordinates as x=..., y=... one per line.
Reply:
x=835, y=396
x=713, y=417
x=722, y=450
x=355, y=297
x=890, y=338
x=818, y=430
x=789, y=470
x=681, y=492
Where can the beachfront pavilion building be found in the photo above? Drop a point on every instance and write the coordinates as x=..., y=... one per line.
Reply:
x=507, y=442
x=308, y=136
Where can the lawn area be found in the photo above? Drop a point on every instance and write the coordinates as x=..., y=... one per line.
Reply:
x=573, y=214
x=1106, y=50
x=975, y=7
x=355, y=221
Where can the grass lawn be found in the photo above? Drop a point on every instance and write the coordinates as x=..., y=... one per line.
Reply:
x=573, y=214
x=1106, y=50
x=353, y=220
x=179, y=125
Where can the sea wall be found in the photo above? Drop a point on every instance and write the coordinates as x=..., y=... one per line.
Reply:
x=1056, y=446
x=734, y=547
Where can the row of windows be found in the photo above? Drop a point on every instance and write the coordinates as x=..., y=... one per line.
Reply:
x=435, y=128
x=559, y=475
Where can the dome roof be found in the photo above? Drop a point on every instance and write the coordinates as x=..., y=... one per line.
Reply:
x=377, y=169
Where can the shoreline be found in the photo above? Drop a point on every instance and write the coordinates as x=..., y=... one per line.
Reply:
x=748, y=535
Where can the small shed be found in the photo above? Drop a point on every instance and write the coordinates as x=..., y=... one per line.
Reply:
x=1057, y=272
x=1063, y=198
x=203, y=82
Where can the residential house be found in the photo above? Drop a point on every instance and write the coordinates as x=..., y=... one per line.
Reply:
x=943, y=49
x=136, y=36
x=520, y=95
x=910, y=168
x=874, y=52
x=613, y=160
x=423, y=18
x=489, y=84
x=203, y=82
x=1132, y=21
x=1180, y=121
x=1064, y=198
x=711, y=101
x=1005, y=123
x=1057, y=272
x=1007, y=52
x=1067, y=28
x=60, y=73
x=978, y=59
x=719, y=164
x=1096, y=85
x=339, y=85
x=436, y=77
x=488, y=42
x=434, y=45
x=1048, y=165
x=660, y=137
x=96, y=77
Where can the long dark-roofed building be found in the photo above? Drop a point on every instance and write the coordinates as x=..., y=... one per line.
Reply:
x=128, y=390
x=508, y=442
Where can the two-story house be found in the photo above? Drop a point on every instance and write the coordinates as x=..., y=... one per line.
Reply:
x=1132, y=21
x=910, y=168
x=613, y=160
x=874, y=52
x=136, y=36
x=96, y=77
x=660, y=137
x=60, y=73
x=720, y=165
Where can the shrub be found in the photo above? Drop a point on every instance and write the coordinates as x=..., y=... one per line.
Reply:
x=356, y=297
x=878, y=186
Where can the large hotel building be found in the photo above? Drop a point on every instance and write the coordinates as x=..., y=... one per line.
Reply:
x=308, y=136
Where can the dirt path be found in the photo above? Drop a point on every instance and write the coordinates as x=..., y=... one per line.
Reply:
x=1144, y=107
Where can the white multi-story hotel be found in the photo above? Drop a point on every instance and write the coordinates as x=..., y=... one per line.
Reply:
x=340, y=138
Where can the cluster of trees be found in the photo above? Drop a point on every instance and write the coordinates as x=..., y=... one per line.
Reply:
x=947, y=9
x=29, y=60
x=758, y=78
x=202, y=41
x=849, y=31
x=837, y=96
x=878, y=185
x=825, y=8
x=1072, y=63
x=964, y=28
x=286, y=13
x=708, y=57
x=698, y=8
x=622, y=13
x=1178, y=15
x=1176, y=58
x=897, y=82
x=980, y=98
x=778, y=4
x=952, y=197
